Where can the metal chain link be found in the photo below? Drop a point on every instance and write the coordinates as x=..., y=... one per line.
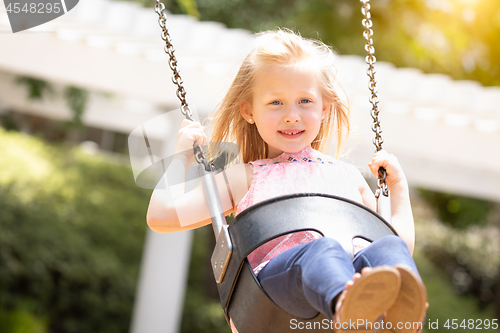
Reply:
x=372, y=85
x=170, y=50
x=200, y=158
x=176, y=78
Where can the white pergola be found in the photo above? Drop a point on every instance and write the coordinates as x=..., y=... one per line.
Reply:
x=445, y=133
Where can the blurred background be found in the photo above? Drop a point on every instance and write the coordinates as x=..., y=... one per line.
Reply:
x=75, y=251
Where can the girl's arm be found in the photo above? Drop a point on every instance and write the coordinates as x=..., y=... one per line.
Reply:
x=402, y=216
x=171, y=210
x=189, y=210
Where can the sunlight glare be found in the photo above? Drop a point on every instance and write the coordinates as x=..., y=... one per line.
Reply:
x=468, y=2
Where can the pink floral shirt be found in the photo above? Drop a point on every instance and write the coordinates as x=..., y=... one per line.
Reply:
x=307, y=171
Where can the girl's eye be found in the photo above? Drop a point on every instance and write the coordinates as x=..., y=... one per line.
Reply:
x=275, y=103
x=305, y=100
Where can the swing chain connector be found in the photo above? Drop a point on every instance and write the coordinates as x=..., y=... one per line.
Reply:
x=224, y=246
x=222, y=254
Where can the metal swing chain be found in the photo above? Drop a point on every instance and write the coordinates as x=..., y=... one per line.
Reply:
x=176, y=77
x=372, y=85
x=223, y=251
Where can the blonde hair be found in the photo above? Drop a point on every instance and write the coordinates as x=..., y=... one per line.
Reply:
x=284, y=48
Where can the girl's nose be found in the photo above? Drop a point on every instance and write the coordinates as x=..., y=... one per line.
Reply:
x=291, y=115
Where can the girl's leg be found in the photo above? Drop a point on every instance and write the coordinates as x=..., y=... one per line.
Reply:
x=295, y=279
x=409, y=309
x=388, y=250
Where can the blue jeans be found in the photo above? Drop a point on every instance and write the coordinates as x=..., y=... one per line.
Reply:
x=305, y=279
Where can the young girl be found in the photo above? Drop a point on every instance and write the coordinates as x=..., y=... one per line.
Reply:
x=282, y=110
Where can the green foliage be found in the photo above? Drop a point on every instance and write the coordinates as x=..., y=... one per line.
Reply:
x=470, y=258
x=71, y=234
x=189, y=7
x=202, y=307
x=36, y=88
x=21, y=322
x=77, y=99
x=444, y=302
x=254, y=15
x=459, y=38
x=458, y=211
x=7, y=121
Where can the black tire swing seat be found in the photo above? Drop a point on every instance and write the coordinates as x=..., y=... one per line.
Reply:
x=242, y=297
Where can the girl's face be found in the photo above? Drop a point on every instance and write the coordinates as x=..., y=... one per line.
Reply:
x=287, y=108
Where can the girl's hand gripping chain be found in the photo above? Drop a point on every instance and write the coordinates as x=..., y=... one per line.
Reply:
x=402, y=216
x=173, y=209
x=189, y=133
x=395, y=175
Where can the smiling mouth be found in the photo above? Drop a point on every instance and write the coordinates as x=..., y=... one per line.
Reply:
x=290, y=133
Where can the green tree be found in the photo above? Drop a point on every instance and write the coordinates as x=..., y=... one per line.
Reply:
x=71, y=234
x=455, y=37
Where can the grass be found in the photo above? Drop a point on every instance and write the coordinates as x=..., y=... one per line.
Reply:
x=445, y=304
